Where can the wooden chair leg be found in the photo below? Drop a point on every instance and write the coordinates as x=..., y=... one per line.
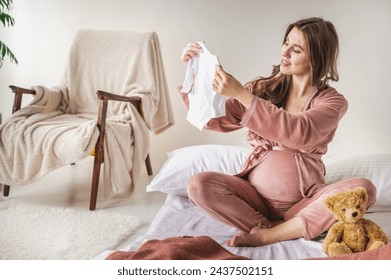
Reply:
x=6, y=190
x=98, y=152
x=95, y=182
x=148, y=165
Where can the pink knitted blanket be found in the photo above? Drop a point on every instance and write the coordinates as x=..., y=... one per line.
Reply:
x=178, y=248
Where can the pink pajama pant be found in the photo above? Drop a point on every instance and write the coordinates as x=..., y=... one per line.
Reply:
x=236, y=202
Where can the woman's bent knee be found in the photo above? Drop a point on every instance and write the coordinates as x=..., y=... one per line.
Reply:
x=197, y=187
x=370, y=187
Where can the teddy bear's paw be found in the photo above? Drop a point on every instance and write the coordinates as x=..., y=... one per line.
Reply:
x=376, y=244
x=337, y=249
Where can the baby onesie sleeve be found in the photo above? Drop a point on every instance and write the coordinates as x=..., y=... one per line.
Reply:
x=231, y=121
x=234, y=114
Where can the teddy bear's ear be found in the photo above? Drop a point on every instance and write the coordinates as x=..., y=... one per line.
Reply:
x=329, y=202
x=362, y=194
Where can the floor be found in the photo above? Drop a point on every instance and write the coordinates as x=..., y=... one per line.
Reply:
x=70, y=186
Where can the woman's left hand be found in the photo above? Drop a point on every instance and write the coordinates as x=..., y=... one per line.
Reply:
x=227, y=85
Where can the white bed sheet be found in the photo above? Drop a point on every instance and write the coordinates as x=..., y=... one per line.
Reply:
x=179, y=217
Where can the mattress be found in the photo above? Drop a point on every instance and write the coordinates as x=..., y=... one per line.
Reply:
x=179, y=217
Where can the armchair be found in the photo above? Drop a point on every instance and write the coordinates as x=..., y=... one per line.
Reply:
x=64, y=123
x=103, y=97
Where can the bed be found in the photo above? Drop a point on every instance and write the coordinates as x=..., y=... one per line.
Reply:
x=179, y=217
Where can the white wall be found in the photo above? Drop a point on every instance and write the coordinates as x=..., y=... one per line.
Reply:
x=246, y=34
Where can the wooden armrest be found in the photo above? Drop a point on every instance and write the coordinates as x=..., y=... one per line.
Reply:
x=19, y=90
x=136, y=101
x=104, y=98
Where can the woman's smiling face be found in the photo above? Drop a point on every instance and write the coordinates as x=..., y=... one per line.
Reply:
x=294, y=54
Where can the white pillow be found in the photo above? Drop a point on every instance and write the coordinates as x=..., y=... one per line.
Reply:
x=374, y=167
x=185, y=162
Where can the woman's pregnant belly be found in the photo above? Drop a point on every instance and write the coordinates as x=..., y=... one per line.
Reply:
x=276, y=179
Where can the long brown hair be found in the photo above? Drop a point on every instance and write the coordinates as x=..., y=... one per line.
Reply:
x=322, y=43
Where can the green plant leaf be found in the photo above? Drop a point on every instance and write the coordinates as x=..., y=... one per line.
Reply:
x=5, y=4
x=5, y=51
x=6, y=19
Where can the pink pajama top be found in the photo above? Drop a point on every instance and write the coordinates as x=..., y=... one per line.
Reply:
x=289, y=147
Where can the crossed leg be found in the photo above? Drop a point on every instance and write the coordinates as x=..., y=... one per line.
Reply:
x=229, y=199
x=308, y=218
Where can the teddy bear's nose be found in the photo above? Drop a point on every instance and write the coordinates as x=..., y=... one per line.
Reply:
x=354, y=214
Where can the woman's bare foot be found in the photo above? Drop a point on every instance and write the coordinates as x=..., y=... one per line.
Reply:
x=252, y=239
x=264, y=235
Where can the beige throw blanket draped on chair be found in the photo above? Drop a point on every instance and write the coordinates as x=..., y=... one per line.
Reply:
x=59, y=126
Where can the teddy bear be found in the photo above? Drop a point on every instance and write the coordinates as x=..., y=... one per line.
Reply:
x=351, y=233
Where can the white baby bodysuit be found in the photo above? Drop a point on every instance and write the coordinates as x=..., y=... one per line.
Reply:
x=204, y=103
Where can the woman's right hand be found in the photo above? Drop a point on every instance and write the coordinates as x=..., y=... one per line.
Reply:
x=191, y=50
